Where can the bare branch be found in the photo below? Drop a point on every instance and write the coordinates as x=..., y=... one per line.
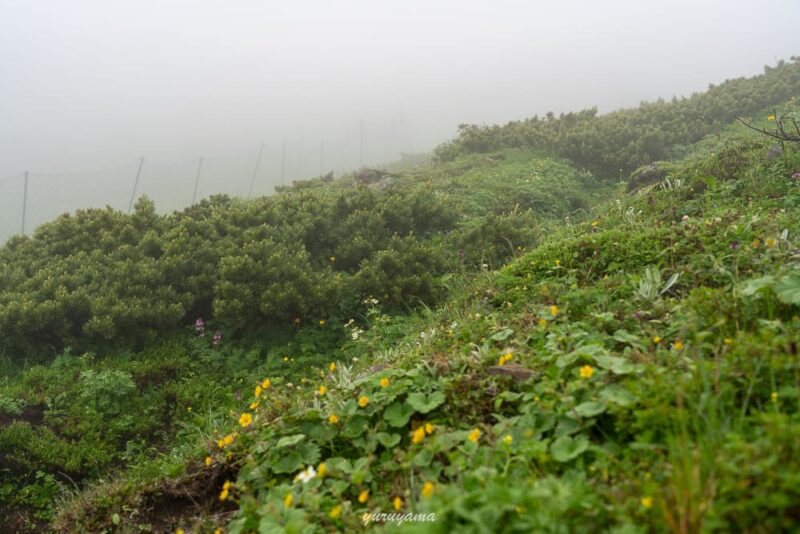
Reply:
x=780, y=134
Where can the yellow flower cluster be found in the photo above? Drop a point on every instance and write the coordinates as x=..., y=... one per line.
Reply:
x=223, y=495
x=504, y=359
x=226, y=441
x=554, y=310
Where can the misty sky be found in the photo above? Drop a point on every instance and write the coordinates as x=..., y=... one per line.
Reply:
x=90, y=84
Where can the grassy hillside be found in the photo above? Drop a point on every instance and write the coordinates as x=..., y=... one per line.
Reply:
x=637, y=371
x=500, y=339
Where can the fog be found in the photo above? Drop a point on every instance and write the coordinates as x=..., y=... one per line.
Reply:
x=95, y=85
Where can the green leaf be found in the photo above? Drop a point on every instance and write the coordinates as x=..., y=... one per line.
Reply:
x=748, y=288
x=425, y=403
x=397, y=414
x=355, y=426
x=618, y=366
x=388, y=440
x=115, y=519
x=590, y=409
x=288, y=441
x=788, y=288
x=565, y=448
x=618, y=395
x=502, y=335
x=288, y=462
x=423, y=458
x=309, y=453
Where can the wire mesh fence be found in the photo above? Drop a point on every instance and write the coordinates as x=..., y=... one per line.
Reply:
x=28, y=199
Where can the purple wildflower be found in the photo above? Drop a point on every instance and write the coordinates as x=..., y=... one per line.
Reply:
x=217, y=338
x=796, y=176
x=734, y=245
x=200, y=327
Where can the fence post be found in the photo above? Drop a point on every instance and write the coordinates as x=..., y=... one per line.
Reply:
x=197, y=180
x=255, y=172
x=135, y=184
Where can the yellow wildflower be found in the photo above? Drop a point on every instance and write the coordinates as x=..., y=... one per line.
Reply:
x=363, y=400
x=209, y=461
x=322, y=390
x=322, y=322
x=363, y=496
x=418, y=436
x=474, y=435
x=507, y=439
x=678, y=345
x=647, y=502
x=656, y=339
x=335, y=512
x=586, y=371
x=266, y=383
x=771, y=118
x=558, y=263
x=429, y=428
x=322, y=470
x=504, y=359
x=179, y=531
x=223, y=495
x=217, y=531
x=332, y=367
x=332, y=259
x=220, y=443
x=253, y=405
x=427, y=489
x=770, y=242
x=542, y=322
x=288, y=500
x=397, y=503
x=258, y=391
x=554, y=310
x=245, y=419
x=774, y=396
x=384, y=382
x=333, y=419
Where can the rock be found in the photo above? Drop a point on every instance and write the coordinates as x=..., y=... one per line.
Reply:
x=514, y=370
x=774, y=152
